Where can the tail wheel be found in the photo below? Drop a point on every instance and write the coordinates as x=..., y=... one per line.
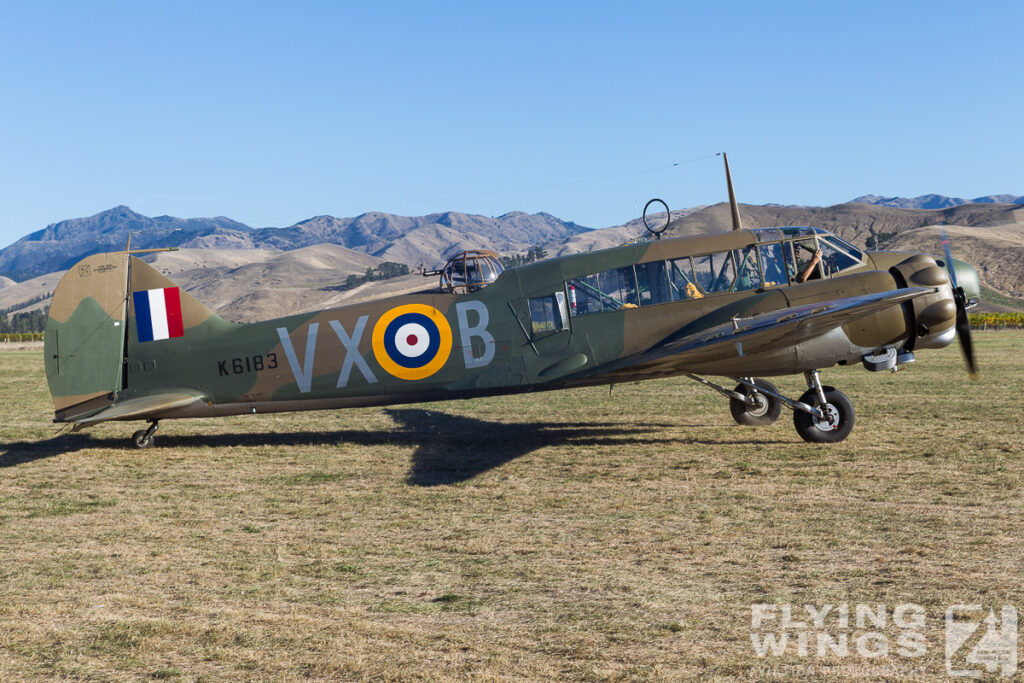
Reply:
x=834, y=426
x=764, y=410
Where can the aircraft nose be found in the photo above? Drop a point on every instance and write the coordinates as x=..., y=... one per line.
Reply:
x=967, y=277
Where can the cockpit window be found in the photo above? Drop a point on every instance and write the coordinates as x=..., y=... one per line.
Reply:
x=606, y=291
x=834, y=259
x=804, y=266
x=715, y=272
x=653, y=282
x=681, y=281
x=749, y=275
x=774, y=262
x=768, y=234
x=798, y=231
x=845, y=246
x=548, y=314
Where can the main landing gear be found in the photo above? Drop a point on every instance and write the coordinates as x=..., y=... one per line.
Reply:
x=823, y=414
x=759, y=405
x=144, y=437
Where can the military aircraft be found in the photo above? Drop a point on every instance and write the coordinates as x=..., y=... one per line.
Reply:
x=125, y=343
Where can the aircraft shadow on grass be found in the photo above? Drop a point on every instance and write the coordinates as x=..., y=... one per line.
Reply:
x=448, y=448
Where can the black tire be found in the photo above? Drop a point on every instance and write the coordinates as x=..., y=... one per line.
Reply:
x=765, y=412
x=139, y=439
x=840, y=417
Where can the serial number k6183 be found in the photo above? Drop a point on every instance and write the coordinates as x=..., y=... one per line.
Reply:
x=239, y=366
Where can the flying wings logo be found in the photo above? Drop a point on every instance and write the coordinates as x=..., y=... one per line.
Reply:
x=158, y=314
x=994, y=649
x=412, y=341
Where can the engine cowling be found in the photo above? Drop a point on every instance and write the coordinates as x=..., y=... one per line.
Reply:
x=931, y=318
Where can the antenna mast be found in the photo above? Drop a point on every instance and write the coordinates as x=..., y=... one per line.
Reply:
x=733, y=206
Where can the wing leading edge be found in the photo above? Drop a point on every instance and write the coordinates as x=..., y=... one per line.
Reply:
x=775, y=329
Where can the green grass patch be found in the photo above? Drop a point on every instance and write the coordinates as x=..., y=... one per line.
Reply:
x=61, y=507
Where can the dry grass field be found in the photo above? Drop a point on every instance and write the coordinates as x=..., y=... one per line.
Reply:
x=578, y=535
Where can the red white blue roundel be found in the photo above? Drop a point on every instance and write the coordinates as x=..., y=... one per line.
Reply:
x=412, y=341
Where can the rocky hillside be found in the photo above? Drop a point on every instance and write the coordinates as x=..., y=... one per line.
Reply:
x=270, y=283
x=857, y=223
x=426, y=240
x=60, y=245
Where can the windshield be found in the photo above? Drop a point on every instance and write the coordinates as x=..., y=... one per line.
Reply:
x=787, y=254
x=835, y=259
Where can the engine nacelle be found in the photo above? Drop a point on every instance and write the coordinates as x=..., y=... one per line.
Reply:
x=931, y=318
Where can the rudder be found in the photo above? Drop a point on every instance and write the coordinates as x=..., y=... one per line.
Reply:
x=85, y=328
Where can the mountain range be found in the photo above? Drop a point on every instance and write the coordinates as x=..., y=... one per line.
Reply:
x=935, y=201
x=247, y=273
x=416, y=240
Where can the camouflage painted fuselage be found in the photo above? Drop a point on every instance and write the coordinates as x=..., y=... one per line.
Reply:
x=484, y=342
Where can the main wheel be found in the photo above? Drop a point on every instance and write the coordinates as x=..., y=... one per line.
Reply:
x=139, y=439
x=837, y=423
x=765, y=409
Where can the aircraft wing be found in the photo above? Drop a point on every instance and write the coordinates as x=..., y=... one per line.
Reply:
x=141, y=407
x=775, y=329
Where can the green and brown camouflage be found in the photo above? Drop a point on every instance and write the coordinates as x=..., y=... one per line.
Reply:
x=709, y=304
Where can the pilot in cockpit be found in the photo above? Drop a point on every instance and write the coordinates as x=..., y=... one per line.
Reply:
x=808, y=256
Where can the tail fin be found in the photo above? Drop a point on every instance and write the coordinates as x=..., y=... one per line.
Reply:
x=144, y=279
x=87, y=329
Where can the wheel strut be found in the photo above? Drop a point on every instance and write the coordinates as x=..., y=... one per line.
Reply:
x=749, y=400
x=788, y=402
x=814, y=382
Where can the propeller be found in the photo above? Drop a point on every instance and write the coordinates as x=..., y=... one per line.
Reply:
x=963, y=324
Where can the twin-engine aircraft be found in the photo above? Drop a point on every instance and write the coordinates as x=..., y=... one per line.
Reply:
x=124, y=343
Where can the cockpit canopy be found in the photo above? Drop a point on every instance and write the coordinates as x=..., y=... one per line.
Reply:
x=469, y=271
x=798, y=245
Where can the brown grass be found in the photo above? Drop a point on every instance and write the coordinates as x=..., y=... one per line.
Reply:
x=574, y=535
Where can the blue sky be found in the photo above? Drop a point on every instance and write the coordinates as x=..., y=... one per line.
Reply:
x=274, y=112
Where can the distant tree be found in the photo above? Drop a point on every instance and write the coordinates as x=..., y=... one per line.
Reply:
x=390, y=269
x=384, y=271
x=21, y=323
x=25, y=304
x=532, y=254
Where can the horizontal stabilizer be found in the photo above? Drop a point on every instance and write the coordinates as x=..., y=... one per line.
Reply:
x=142, y=407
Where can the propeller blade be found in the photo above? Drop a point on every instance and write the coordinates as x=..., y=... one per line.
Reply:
x=963, y=333
x=949, y=260
x=963, y=323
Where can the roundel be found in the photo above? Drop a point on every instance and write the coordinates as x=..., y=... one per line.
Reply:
x=412, y=341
